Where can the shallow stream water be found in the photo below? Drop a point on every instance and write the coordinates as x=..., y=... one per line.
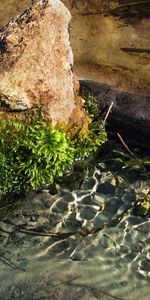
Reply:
x=82, y=241
x=76, y=242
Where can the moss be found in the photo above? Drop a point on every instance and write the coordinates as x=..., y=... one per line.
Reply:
x=143, y=207
x=33, y=153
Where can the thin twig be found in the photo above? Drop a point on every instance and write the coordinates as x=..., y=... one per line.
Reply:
x=66, y=282
x=125, y=145
x=132, y=154
x=108, y=112
x=9, y=263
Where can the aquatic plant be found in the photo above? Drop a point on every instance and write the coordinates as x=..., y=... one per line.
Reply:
x=129, y=168
x=91, y=105
x=87, y=146
x=33, y=152
x=145, y=205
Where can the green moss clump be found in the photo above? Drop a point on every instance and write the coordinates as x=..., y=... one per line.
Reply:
x=91, y=105
x=33, y=153
x=86, y=146
x=143, y=207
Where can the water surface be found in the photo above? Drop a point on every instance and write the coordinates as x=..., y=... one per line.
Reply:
x=85, y=242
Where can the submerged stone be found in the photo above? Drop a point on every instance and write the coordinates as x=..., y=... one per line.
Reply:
x=36, y=63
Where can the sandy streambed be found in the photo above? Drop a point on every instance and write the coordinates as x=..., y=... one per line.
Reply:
x=47, y=254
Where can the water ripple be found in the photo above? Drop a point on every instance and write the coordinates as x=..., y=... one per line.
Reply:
x=95, y=224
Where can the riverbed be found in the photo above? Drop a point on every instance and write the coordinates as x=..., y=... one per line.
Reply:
x=77, y=240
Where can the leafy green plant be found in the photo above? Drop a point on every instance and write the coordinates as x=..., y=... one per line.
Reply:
x=119, y=158
x=33, y=153
x=91, y=106
x=145, y=205
x=97, y=137
x=132, y=163
x=130, y=169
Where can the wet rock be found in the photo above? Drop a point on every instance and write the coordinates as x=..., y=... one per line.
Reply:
x=36, y=63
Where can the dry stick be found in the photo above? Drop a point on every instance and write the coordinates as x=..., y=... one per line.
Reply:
x=125, y=145
x=131, y=153
x=67, y=282
x=108, y=112
x=9, y=263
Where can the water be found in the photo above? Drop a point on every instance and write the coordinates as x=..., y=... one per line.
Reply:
x=75, y=241
x=86, y=242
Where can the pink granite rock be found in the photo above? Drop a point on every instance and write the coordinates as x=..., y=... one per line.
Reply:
x=36, y=62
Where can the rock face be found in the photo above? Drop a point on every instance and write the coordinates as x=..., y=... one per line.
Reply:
x=113, y=46
x=36, y=63
x=86, y=7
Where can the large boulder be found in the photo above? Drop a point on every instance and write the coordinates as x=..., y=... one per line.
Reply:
x=36, y=63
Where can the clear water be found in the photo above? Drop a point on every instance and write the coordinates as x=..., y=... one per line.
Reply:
x=49, y=249
x=75, y=242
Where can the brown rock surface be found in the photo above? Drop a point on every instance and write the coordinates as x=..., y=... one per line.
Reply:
x=36, y=62
x=86, y=7
x=111, y=42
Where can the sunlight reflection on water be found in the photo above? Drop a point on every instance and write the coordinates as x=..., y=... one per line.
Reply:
x=56, y=232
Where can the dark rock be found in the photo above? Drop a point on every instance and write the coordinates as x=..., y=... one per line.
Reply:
x=130, y=114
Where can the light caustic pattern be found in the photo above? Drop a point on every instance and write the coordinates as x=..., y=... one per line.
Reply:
x=98, y=222
x=95, y=224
